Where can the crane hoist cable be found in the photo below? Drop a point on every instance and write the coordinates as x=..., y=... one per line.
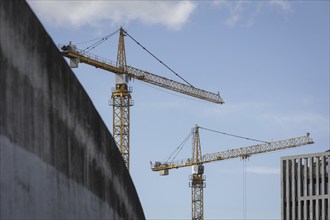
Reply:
x=244, y=189
x=233, y=135
x=158, y=59
x=244, y=186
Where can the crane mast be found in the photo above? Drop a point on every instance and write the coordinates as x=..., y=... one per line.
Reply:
x=197, y=178
x=197, y=160
x=121, y=95
x=121, y=102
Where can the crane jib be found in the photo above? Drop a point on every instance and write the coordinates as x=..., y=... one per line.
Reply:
x=242, y=152
x=174, y=85
x=144, y=76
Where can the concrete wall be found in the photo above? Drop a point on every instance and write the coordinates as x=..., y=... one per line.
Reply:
x=57, y=158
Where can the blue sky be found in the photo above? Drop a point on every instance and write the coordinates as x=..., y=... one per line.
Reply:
x=268, y=59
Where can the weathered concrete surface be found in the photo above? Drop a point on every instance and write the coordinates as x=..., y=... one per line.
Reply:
x=57, y=158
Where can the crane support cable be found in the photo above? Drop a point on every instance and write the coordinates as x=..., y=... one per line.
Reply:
x=88, y=41
x=175, y=153
x=91, y=47
x=232, y=135
x=158, y=59
x=182, y=144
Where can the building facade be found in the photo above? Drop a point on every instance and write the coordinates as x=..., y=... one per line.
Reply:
x=305, y=187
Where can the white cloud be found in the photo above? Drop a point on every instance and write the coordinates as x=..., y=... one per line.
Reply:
x=232, y=20
x=310, y=122
x=244, y=13
x=263, y=170
x=172, y=14
x=281, y=4
x=236, y=11
x=272, y=115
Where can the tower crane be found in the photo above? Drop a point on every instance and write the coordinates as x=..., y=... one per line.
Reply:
x=197, y=160
x=121, y=96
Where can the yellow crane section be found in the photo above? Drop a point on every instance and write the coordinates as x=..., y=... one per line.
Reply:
x=243, y=152
x=142, y=75
x=197, y=160
x=121, y=96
